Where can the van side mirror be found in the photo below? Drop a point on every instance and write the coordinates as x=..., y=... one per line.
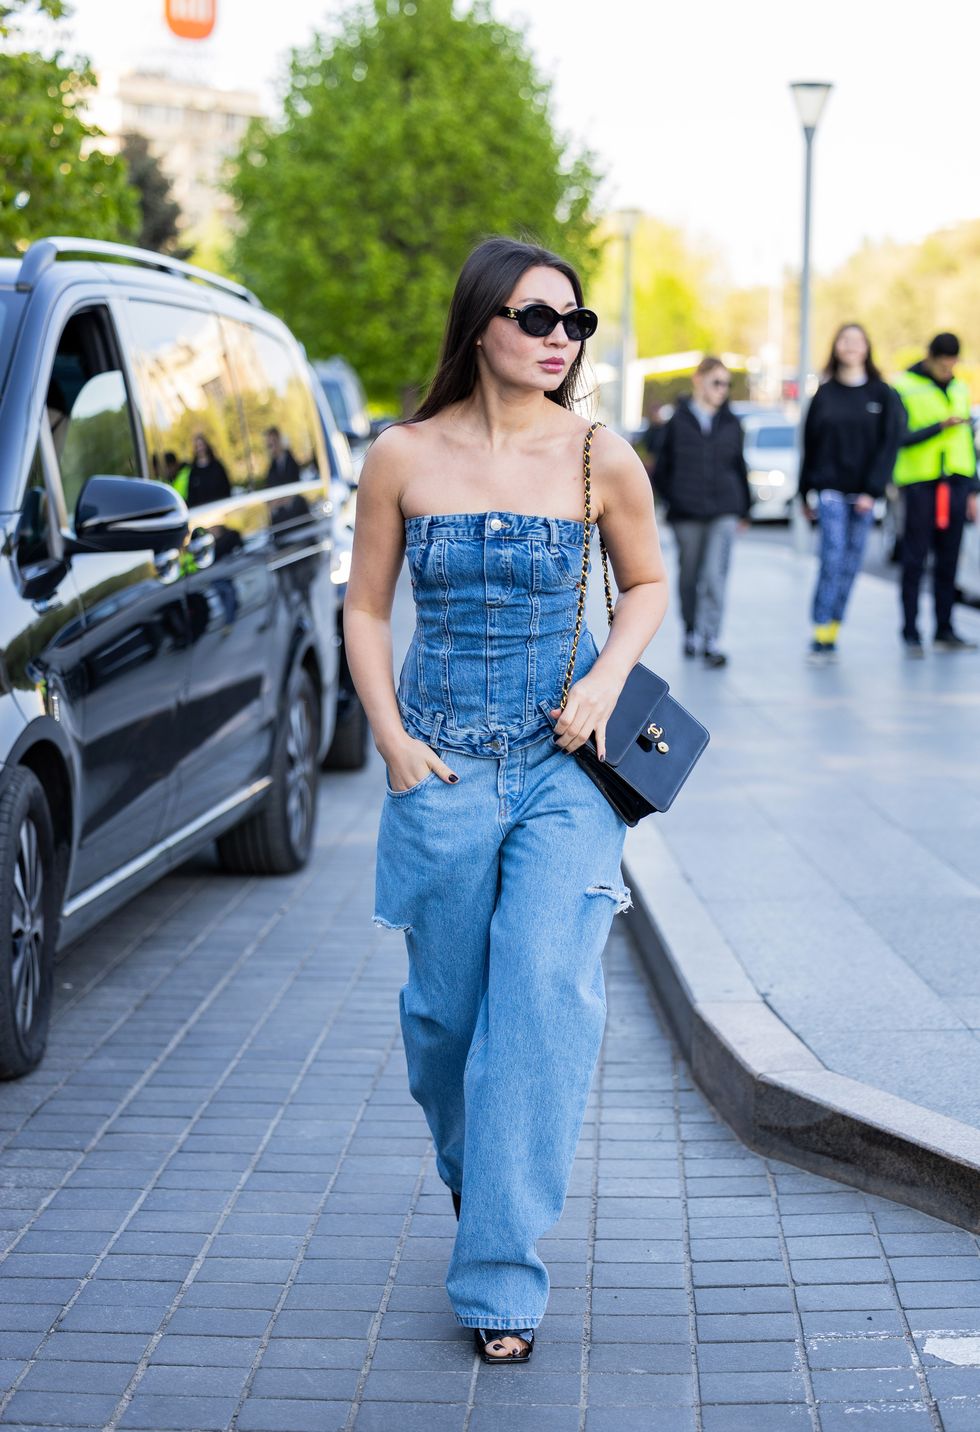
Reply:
x=128, y=514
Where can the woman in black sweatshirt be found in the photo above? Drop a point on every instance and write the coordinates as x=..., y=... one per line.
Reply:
x=849, y=444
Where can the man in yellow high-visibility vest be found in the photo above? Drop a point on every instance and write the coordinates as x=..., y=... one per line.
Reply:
x=936, y=472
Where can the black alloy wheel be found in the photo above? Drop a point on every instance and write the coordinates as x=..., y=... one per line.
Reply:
x=29, y=914
x=278, y=838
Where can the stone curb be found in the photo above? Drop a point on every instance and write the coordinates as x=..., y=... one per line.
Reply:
x=765, y=1082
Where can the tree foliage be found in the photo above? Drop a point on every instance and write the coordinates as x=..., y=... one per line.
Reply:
x=159, y=212
x=52, y=178
x=408, y=136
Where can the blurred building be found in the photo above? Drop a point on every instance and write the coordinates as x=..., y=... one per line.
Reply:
x=191, y=128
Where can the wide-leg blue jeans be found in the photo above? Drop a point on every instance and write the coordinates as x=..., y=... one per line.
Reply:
x=505, y=885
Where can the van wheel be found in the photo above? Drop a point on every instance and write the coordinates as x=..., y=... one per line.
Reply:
x=29, y=915
x=278, y=839
x=349, y=747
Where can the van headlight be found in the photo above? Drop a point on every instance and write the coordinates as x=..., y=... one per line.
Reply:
x=775, y=478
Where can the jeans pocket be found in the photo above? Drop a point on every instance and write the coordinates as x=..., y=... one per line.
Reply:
x=410, y=790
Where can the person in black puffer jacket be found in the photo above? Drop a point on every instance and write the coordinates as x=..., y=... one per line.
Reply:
x=701, y=475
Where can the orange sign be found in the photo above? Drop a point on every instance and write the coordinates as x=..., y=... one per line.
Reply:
x=191, y=19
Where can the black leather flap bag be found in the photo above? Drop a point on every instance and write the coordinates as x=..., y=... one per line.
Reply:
x=652, y=741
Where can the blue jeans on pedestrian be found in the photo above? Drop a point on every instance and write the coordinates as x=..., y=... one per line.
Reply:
x=843, y=537
x=505, y=885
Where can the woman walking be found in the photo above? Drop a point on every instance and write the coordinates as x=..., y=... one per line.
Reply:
x=497, y=856
x=850, y=440
x=701, y=475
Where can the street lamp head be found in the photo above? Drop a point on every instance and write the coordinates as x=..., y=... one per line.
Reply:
x=810, y=96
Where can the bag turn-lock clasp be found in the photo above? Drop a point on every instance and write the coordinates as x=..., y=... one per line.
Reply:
x=656, y=733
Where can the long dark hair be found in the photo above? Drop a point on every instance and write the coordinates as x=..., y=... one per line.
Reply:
x=485, y=283
x=834, y=364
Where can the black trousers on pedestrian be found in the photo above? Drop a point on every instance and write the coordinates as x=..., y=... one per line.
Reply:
x=922, y=534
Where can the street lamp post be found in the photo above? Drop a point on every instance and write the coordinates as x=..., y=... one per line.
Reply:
x=810, y=97
x=629, y=218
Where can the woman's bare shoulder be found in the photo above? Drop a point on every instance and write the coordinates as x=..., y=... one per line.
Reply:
x=395, y=455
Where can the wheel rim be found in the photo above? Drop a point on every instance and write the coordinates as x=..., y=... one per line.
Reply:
x=299, y=773
x=27, y=928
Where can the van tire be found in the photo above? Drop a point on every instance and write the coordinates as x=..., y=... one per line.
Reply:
x=30, y=911
x=349, y=747
x=278, y=838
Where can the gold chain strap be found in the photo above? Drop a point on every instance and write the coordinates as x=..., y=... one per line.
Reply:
x=583, y=584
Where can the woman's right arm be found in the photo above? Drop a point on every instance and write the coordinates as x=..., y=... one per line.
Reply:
x=379, y=549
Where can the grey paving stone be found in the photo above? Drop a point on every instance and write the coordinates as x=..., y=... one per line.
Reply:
x=615, y=1389
x=259, y=1414
x=408, y=1386
x=959, y=1415
x=638, y=1419
x=755, y=1417
x=99, y=1378
x=848, y=1417
x=406, y=1417
x=58, y=1409
x=866, y=1385
x=743, y=1387
x=508, y=1418
x=843, y=1352
x=747, y=1357
x=153, y=1414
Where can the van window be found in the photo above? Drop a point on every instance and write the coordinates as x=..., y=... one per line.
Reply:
x=186, y=392
x=280, y=420
x=88, y=406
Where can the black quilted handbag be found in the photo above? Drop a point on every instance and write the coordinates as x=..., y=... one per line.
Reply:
x=652, y=741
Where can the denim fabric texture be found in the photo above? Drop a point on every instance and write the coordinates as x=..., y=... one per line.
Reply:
x=495, y=596
x=505, y=885
x=843, y=537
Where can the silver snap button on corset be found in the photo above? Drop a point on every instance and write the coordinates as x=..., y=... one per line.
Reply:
x=495, y=524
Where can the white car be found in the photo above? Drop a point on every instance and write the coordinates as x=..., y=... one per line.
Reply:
x=773, y=459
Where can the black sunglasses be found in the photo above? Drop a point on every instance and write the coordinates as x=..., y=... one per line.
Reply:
x=538, y=320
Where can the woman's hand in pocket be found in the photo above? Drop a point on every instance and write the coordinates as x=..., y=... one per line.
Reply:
x=411, y=761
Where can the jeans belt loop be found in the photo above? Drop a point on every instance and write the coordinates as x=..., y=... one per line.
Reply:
x=424, y=528
x=437, y=721
x=552, y=532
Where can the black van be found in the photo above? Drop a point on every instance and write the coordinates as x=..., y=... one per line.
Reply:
x=169, y=650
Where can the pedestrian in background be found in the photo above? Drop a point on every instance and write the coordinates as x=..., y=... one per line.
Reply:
x=936, y=472
x=497, y=856
x=850, y=439
x=702, y=477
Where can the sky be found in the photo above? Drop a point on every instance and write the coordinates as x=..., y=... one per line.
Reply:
x=687, y=105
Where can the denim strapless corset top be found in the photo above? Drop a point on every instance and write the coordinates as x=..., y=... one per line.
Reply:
x=495, y=597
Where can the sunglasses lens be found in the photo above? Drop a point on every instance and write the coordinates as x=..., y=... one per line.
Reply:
x=538, y=320
x=581, y=324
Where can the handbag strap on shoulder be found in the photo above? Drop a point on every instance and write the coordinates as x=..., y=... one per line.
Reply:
x=583, y=584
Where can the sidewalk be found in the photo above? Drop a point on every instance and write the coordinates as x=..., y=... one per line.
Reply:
x=814, y=896
x=219, y=1210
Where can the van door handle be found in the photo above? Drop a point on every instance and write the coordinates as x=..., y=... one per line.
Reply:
x=167, y=566
x=201, y=548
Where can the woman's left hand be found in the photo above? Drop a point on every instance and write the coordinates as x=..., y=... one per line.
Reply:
x=590, y=704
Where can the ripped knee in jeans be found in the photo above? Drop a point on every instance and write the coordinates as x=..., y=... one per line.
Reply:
x=618, y=894
x=384, y=924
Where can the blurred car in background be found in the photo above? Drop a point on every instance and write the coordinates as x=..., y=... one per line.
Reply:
x=773, y=460
x=349, y=747
x=347, y=400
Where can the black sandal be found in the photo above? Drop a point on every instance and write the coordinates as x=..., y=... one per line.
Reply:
x=457, y=1202
x=484, y=1337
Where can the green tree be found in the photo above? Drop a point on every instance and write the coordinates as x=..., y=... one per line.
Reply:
x=159, y=216
x=407, y=137
x=53, y=178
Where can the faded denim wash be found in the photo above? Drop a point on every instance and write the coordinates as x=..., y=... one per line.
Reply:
x=505, y=885
x=843, y=537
